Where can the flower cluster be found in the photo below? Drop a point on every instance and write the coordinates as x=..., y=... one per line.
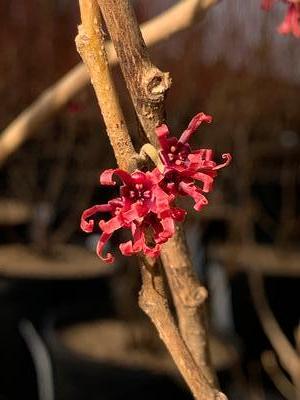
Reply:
x=291, y=22
x=146, y=203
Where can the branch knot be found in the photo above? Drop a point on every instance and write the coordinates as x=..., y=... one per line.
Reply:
x=156, y=84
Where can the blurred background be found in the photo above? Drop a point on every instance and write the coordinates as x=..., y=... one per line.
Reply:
x=70, y=327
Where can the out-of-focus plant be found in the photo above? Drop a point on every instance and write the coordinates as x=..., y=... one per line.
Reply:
x=291, y=21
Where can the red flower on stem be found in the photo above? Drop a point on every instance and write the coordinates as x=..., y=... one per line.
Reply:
x=143, y=207
x=175, y=153
x=159, y=230
x=184, y=167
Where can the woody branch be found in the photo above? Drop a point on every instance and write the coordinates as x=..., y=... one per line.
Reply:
x=54, y=98
x=90, y=44
x=148, y=86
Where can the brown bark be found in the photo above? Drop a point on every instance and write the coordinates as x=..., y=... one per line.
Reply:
x=90, y=45
x=153, y=302
x=147, y=86
x=152, y=299
x=189, y=298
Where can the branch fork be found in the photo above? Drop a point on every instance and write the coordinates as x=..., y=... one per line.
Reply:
x=148, y=86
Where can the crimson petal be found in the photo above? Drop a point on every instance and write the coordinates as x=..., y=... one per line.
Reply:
x=112, y=224
x=151, y=251
x=194, y=192
x=87, y=226
x=205, y=179
x=178, y=214
x=162, y=133
x=109, y=258
x=193, y=126
x=227, y=157
x=135, y=212
x=106, y=178
x=162, y=200
x=129, y=248
x=204, y=154
x=168, y=228
x=295, y=20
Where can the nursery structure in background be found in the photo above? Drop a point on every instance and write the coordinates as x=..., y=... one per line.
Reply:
x=250, y=228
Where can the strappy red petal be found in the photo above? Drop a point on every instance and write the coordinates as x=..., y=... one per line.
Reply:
x=193, y=126
x=88, y=226
x=108, y=258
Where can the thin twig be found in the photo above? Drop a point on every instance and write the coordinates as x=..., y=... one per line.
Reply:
x=287, y=355
x=281, y=382
x=90, y=45
x=177, y=18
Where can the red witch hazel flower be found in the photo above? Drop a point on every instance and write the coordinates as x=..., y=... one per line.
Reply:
x=291, y=22
x=175, y=152
x=143, y=207
x=146, y=202
x=183, y=167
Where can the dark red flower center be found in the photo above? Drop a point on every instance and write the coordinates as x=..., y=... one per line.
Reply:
x=171, y=182
x=137, y=193
x=178, y=154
